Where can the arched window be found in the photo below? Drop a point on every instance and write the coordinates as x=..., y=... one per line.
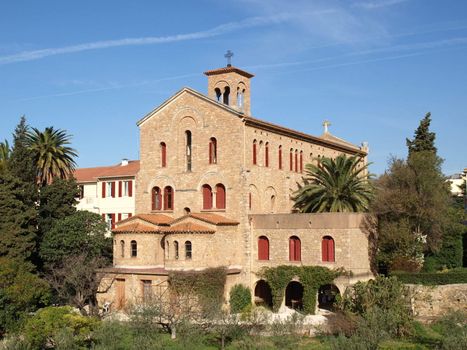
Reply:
x=280, y=157
x=240, y=98
x=220, y=196
x=296, y=161
x=188, y=251
x=163, y=155
x=212, y=150
x=186, y=210
x=176, y=249
x=255, y=150
x=226, y=95
x=249, y=200
x=156, y=198
x=291, y=159
x=207, y=197
x=188, y=149
x=301, y=161
x=295, y=249
x=263, y=248
x=266, y=154
x=327, y=249
x=134, y=249
x=218, y=94
x=273, y=202
x=168, y=198
x=122, y=248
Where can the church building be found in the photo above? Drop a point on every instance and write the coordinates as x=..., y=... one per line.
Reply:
x=214, y=189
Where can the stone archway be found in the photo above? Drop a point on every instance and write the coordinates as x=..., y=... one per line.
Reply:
x=294, y=295
x=263, y=294
x=327, y=296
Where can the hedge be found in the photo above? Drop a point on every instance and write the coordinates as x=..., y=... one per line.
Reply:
x=433, y=278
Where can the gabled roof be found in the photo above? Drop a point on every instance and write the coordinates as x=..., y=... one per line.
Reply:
x=119, y=170
x=187, y=227
x=230, y=69
x=155, y=219
x=330, y=137
x=135, y=227
x=210, y=218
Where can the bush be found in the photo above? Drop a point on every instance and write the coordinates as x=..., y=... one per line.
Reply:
x=240, y=298
x=52, y=323
x=433, y=278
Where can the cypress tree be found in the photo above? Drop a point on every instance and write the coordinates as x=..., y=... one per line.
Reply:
x=424, y=139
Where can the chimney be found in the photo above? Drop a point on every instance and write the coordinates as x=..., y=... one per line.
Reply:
x=124, y=162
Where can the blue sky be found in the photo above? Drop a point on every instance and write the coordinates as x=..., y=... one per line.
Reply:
x=371, y=67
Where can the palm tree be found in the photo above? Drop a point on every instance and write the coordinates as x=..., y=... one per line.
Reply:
x=52, y=155
x=339, y=185
x=5, y=152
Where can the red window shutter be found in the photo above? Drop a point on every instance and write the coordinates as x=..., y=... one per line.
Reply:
x=103, y=217
x=130, y=215
x=298, y=250
x=207, y=197
x=291, y=160
x=119, y=188
x=291, y=249
x=324, y=249
x=280, y=158
x=220, y=196
x=103, y=190
x=296, y=162
x=266, y=155
x=254, y=153
x=168, y=198
x=130, y=188
x=113, y=220
x=119, y=216
x=249, y=200
x=331, y=250
x=112, y=189
x=263, y=248
x=210, y=152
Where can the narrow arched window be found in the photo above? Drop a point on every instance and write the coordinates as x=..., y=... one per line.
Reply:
x=188, y=250
x=296, y=161
x=266, y=154
x=156, y=198
x=176, y=250
x=255, y=150
x=207, y=197
x=226, y=95
x=220, y=196
x=327, y=249
x=301, y=161
x=273, y=202
x=134, y=249
x=218, y=94
x=188, y=152
x=168, y=198
x=263, y=248
x=295, y=248
x=212, y=150
x=122, y=248
x=163, y=155
x=291, y=159
x=280, y=157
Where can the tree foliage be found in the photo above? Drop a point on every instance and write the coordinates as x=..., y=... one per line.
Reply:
x=335, y=185
x=5, y=153
x=240, y=298
x=424, y=139
x=53, y=157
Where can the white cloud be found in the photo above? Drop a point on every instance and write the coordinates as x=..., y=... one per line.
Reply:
x=371, y=5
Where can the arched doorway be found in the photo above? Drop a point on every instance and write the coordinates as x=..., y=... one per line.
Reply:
x=263, y=295
x=294, y=295
x=327, y=296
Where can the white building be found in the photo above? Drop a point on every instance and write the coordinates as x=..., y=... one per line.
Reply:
x=456, y=181
x=108, y=190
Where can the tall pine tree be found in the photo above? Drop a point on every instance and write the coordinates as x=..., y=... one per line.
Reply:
x=424, y=139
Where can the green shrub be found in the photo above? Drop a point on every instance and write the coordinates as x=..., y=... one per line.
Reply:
x=240, y=298
x=433, y=278
x=49, y=324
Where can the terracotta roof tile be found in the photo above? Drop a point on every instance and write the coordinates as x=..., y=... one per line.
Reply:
x=188, y=227
x=211, y=218
x=135, y=227
x=92, y=174
x=229, y=70
x=155, y=219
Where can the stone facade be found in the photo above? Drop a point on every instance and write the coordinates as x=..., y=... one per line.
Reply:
x=213, y=176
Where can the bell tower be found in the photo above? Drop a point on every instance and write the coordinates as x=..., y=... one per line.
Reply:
x=230, y=86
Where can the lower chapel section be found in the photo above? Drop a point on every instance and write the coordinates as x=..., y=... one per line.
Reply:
x=212, y=189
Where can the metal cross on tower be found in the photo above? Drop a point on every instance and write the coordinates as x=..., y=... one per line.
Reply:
x=229, y=55
x=326, y=125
